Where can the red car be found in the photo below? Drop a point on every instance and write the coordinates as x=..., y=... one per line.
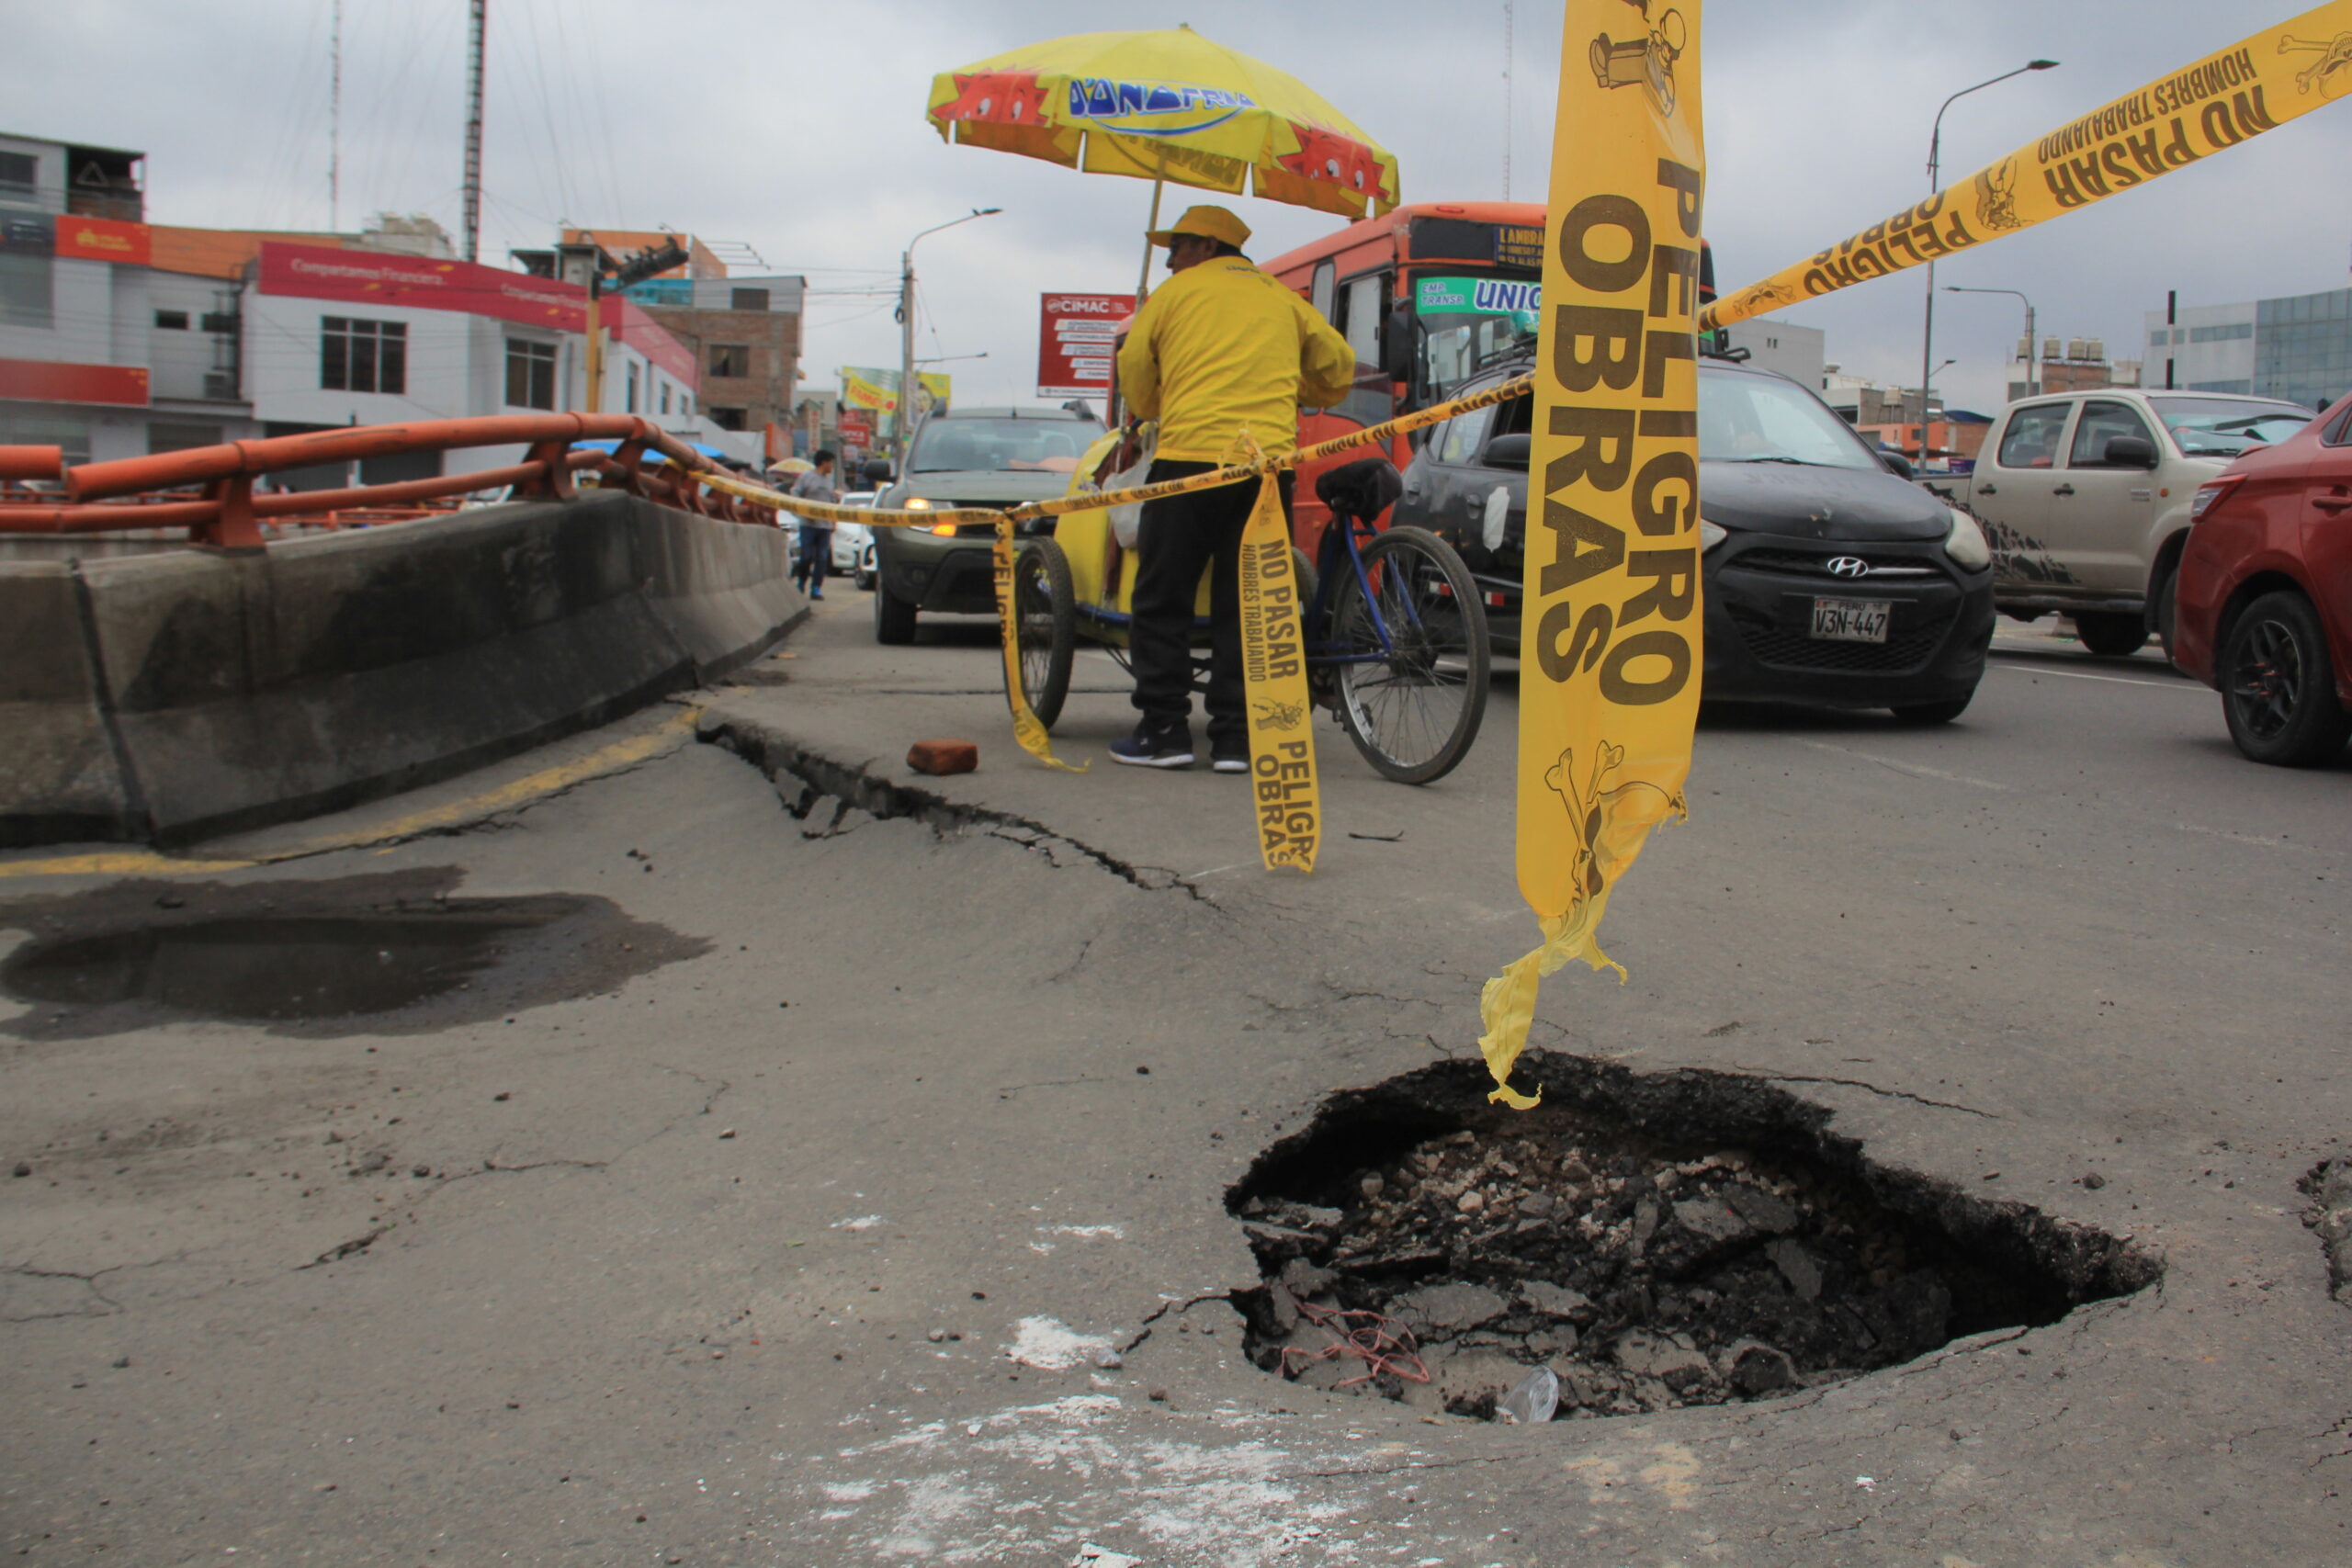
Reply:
x=2264, y=614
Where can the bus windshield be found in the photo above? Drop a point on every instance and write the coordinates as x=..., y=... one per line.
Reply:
x=1468, y=323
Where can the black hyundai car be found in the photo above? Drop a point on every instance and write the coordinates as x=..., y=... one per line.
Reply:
x=1829, y=579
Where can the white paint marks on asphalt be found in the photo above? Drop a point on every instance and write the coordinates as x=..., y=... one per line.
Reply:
x=1917, y=769
x=1050, y=1346
x=1083, y=1232
x=2111, y=679
x=862, y=1222
x=1047, y=1482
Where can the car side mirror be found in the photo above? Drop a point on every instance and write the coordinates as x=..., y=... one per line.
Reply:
x=1508, y=452
x=2130, y=452
x=1898, y=465
x=877, y=472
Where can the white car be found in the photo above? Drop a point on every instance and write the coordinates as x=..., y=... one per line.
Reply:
x=854, y=542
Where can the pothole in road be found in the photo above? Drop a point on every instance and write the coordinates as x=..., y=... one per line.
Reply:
x=1681, y=1239
x=377, y=954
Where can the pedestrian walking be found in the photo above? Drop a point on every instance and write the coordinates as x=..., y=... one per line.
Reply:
x=816, y=551
x=1220, y=350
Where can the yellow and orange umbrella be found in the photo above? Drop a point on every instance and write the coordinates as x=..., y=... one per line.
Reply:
x=1167, y=106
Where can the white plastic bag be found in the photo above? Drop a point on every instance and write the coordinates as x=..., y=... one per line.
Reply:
x=1531, y=1400
x=1127, y=521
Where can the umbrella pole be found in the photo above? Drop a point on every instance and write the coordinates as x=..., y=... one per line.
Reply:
x=1143, y=283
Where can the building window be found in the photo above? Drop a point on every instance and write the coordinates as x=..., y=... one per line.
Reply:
x=171, y=321
x=71, y=436
x=749, y=299
x=163, y=436
x=727, y=419
x=665, y=397
x=530, y=374
x=25, y=296
x=730, y=359
x=2222, y=334
x=631, y=404
x=19, y=181
x=356, y=355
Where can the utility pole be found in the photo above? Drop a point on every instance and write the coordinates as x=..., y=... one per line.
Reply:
x=2031, y=383
x=1507, y=127
x=1935, y=152
x=481, y=9
x=905, y=426
x=335, y=122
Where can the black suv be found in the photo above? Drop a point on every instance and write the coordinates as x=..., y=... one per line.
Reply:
x=1829, y=579
x=980, y=457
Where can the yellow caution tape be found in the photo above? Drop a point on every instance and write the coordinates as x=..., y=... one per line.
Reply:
x=2181, y=118
x=1274, y=675
x=1025, y=728
x=1609, y=616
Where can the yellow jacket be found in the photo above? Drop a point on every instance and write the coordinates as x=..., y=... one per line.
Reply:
x=1221, y=348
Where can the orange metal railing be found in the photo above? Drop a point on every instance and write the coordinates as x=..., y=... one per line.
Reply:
x=229, y=513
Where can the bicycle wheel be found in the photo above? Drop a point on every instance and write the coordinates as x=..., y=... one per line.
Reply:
x=1045, y=617
x=1411, y=704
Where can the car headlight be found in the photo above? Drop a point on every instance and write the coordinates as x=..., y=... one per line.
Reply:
x=1965, y=543
x=1710, y=534
x=917, y=503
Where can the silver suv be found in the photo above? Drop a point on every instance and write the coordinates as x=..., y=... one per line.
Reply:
x=978, y=457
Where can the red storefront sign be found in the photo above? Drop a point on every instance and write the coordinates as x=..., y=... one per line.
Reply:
x=48, y=381
x=628, y=324
x=421, y=283
x=1076, y=335
x=105, y=239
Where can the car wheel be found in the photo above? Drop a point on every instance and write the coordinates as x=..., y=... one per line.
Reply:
x=894, y=618
x=2279, y=686
x=1933, y=713
x=2168, y=614
x=2112, y=634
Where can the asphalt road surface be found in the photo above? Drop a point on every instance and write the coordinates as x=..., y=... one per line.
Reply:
x=781, y=1212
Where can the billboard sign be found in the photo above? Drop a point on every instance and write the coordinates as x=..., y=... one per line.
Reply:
x=1076, y=335
x=421, y=283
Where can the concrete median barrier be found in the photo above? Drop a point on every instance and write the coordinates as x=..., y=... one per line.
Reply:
x=192, y=693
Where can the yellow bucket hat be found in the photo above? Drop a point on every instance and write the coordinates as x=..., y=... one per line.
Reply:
x=1204, y=222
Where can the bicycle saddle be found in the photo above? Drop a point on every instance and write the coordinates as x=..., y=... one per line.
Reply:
x=1363, y=489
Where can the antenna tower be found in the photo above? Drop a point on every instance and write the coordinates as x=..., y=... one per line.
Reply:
x=335, y=122
x=479, y=9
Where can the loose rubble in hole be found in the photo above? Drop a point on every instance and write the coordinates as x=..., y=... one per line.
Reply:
x=1646, y=1278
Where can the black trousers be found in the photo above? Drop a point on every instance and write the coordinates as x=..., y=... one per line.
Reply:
x=1181, y=537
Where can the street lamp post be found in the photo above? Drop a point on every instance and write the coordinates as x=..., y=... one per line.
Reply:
x=2029, y=359
x=907, y=329
x=1935, y=153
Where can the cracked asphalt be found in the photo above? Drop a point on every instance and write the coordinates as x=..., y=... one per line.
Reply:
x=885, y=1224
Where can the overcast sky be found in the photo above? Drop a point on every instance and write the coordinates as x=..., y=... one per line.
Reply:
x=798, y=128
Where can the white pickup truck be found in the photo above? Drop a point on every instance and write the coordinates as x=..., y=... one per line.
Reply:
x=2085, y=498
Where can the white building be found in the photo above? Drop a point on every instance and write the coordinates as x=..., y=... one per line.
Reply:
x=119, y=338
x=1793, y=351
x=2298, y=347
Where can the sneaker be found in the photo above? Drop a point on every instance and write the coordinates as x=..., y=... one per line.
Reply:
x=1225, y=762
x=1141, y=749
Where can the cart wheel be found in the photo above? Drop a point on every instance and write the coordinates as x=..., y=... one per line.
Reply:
x=1411, y=705
x=1044, y=618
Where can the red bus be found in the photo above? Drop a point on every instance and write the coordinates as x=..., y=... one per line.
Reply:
x=1427, y=295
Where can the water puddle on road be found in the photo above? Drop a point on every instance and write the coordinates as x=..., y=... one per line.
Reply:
x=390, y=953
x=272, y=968
x=1682, y=1239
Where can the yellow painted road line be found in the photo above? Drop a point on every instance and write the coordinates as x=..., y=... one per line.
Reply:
x=670, y=733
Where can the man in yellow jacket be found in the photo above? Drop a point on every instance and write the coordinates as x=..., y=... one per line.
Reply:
x=1220, y=349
